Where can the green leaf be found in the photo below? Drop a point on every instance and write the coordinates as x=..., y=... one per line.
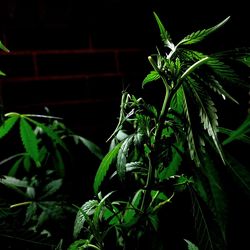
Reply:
x=51, y=188
x=12, y=181
x=100, y=210
x=208, y=114
x=154, y=220
x=191, y=246
x=104, y=167
x=93, y=148
x=240, y=132
x=87, y=208
x=240, y=172
x=152, y=76
x=199, y=35
x=2, y=47
x=14, y=167
x=122, y=157
x=193, y=143
x=131, y=209
x=29, y=140
x=2, y=73
x=200, y=222
x=218, y=204
x=27, y=162
x=164, y=34
x=53, y=135
x=7, y=125
x=173, y=166
x=59, y=163
x=221, y=69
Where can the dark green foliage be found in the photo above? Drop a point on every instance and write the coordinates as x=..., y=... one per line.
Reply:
x=163, y=161
x=158, y=153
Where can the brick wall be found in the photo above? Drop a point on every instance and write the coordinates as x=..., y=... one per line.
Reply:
x=81, y=85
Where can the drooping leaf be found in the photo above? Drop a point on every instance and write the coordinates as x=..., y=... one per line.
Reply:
x=87, y=208
x=215, y=85
x=104, y=167
x=208, y=114
x=8, y=180
x=199, y=35
x=223, y=70
x=193, y=143
x=122, y=157
x=29, y=140
x=100, y=209
x=93, y=148
x=7, y=125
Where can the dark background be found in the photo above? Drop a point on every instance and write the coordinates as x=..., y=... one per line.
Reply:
x=75, y=57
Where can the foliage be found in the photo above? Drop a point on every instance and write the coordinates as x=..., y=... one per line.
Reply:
x=33, y=181
x=160, y=153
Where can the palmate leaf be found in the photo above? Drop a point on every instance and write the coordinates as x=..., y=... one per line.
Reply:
x=207, y=114
x=104, y=167
x=29, y=140
x=52, y=134
x=199, y=35
x=7, y=125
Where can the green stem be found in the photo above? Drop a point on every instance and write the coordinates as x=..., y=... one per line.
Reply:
x=148, y=182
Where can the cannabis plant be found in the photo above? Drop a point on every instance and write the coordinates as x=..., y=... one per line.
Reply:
x=160, y=185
